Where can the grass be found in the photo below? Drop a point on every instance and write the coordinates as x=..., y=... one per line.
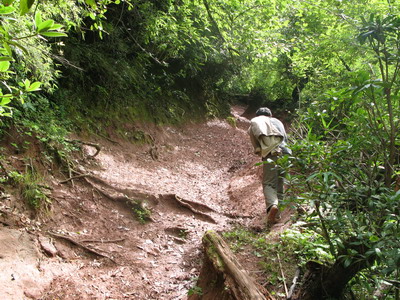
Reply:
x=31, y=191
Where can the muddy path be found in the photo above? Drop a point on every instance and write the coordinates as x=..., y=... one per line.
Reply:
x=96, y=242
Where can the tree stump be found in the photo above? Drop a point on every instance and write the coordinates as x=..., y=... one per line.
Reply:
x=222, y=277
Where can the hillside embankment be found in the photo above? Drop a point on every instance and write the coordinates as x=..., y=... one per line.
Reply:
x=127, y=221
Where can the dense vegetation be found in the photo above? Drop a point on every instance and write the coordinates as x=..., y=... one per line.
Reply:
x=333, y=65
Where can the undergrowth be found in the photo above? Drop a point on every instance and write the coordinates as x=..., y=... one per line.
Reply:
x=46, y=122
x=279, y=257
x=140, y=210
x=31, y=189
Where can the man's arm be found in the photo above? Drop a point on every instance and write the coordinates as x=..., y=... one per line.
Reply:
x=254, y=142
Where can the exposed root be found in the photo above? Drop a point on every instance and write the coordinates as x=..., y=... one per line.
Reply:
x=108, y=139
x=198, y=206
x=79, y=244
x=134, y=199
x=154, y=148
x=74, y=177
x=96, y=146
x=236, y=216
x=111, y=192
x=102, y=241
x=187, y=205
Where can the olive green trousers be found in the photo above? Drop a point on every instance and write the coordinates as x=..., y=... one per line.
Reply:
x=273, y=177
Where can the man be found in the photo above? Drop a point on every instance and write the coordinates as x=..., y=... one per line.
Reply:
x=268, y=137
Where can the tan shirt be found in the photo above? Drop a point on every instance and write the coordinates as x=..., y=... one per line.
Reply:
x=264, y=137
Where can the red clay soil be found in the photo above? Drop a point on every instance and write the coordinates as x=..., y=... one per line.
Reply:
x=91, y=245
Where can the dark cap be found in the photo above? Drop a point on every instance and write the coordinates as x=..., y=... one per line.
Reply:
x=263, y=111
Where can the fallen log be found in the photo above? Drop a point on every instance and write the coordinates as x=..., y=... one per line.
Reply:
x=222, y=277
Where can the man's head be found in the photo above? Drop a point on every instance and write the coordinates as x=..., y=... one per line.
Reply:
x=263, y=111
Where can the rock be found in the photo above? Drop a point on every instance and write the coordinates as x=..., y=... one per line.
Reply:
x=47, y=246
x=33, y=293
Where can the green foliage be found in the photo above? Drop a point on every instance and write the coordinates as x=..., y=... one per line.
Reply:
x=306, y=245
x=153, y=68
x=239, y=238
x=348, y=159
x=340, y=159
x=273, y=254
x=17, y=35
x=232, y=121
x=30, y=43
x=45, y=121
x=30, y=189
x=196, y=290
x=141, y=211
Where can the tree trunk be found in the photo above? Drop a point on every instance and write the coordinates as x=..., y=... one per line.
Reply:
x=222, y=277
x=328, y=282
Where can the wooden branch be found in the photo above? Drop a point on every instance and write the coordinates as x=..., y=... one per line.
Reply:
x=283, y=276
x=212, y=20
x=344, y=63
x=222, y=276
x=294, y=282
x=394, y=282
x=154, y=58
x=71, y=240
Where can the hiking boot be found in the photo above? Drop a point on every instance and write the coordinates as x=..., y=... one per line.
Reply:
x=273, y=211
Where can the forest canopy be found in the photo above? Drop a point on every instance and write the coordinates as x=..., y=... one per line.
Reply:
x=206, y=52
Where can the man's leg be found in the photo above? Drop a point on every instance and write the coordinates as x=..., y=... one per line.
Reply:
x=270, y=187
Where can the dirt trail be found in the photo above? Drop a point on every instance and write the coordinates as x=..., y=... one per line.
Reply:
x=193, y=179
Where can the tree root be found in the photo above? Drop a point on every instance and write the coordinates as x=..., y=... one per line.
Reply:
x=136, y=198
x=197, y=206
x=79, y=244
x=108, y=139
x=235, y=216
x=74, y=177
x=96, y=146
x=102, y=241
x=188, y=205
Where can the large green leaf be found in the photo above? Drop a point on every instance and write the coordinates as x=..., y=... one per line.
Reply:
x=44, y=26
x=25, y=6
x=5, y=100
x=5, y=58
x=38, y=19
x=31, y=87
x=4, y=66
x=92, y=3
x=53, y=34
x=4, y=10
